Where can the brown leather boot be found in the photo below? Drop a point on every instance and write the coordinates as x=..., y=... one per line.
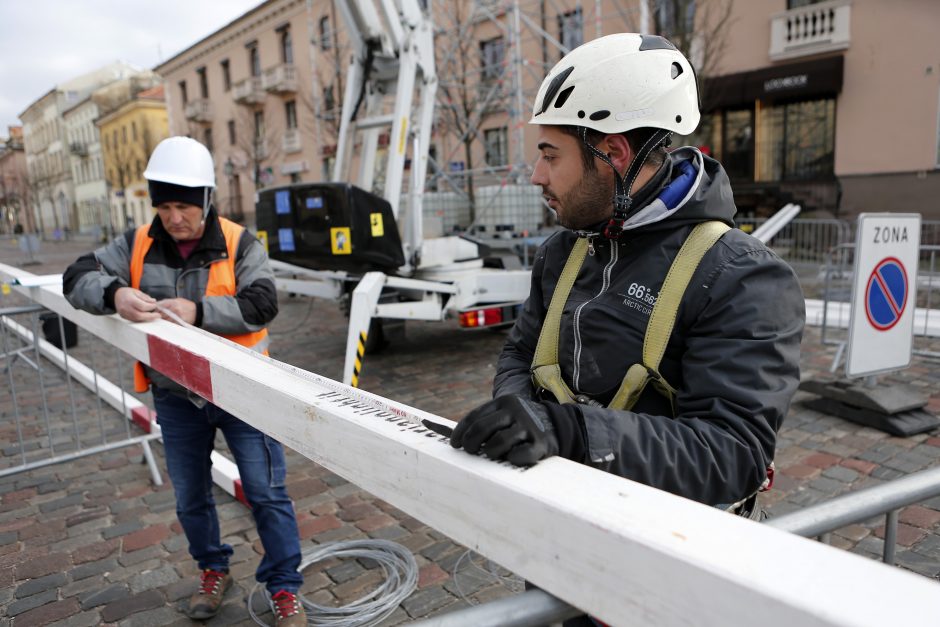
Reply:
x=208, y=599
x=288, y=611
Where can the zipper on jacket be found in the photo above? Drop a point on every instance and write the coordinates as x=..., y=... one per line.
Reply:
x=605, y=284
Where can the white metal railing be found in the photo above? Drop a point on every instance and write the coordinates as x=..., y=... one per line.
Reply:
x=810, y=29
x=624, y=552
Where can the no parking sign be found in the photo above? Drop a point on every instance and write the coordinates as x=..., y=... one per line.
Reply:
x=881, y=327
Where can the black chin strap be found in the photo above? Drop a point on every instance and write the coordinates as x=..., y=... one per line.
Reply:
x=623, y=200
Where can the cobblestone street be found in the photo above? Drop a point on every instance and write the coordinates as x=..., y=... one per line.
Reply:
x=93, y=542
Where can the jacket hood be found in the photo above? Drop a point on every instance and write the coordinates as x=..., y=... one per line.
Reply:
x=698, y=190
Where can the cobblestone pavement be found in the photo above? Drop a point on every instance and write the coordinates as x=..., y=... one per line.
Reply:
x=93, y=542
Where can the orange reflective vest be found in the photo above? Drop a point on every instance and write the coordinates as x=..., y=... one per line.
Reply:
x=221, y=283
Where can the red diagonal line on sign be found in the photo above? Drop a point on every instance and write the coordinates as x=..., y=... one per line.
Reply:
x=888, y=295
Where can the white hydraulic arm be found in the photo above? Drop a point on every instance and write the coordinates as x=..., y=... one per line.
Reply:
x=393, y=57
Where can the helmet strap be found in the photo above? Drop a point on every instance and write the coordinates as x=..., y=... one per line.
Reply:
x=623, y=198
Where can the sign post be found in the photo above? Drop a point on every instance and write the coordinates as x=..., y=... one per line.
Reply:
x=881, y=326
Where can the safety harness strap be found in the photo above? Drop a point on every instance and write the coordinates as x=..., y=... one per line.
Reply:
x=546, y=372
x=663, y=319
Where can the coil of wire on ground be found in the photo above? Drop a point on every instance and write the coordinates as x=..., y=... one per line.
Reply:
x=401, y=579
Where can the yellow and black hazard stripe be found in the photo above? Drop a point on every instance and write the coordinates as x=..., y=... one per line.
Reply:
x=360, y=351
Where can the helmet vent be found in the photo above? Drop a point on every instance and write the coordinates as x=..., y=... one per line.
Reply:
x=581, y=114
x=563, y=96
x=600, y=115
x=678, y=119
x=553, y=88
x=676, y=70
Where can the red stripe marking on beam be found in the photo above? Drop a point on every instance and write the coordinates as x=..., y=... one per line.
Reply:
x=240, y=492
x=188, y=369
x=144, y=418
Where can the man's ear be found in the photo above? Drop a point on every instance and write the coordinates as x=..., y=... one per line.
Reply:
x=618, y=151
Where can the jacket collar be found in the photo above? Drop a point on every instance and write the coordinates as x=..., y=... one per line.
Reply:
x=212, y=236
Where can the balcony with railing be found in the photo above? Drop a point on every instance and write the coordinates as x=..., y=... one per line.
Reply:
x=291, y=142
x=249, y=91
x=281, y=79
x=79, y=149
x=199, y=110
x=811, y=29
x=260, y=150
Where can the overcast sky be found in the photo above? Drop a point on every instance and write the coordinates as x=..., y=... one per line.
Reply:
x=46, y=42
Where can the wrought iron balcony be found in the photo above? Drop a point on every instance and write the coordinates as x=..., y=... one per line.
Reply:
x=810, y=30
x=79, y=149
x=281, y=79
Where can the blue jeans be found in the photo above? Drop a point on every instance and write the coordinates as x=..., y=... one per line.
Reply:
x=188, y=439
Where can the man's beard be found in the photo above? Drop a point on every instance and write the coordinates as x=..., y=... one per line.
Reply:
x=586, y=204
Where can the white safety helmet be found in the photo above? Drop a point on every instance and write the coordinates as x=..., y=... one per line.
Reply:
x=181, y=161
x=618, y=83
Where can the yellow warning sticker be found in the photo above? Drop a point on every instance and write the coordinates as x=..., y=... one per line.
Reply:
x=5, y=289
x=263, y=238
x=378, y=229
x=340, y=240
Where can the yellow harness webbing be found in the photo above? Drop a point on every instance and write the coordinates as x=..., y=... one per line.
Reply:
x=546, y=373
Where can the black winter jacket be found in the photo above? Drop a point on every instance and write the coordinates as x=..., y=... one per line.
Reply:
x=733, y=356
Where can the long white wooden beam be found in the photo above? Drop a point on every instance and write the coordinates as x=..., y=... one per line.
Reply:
x=626, y=553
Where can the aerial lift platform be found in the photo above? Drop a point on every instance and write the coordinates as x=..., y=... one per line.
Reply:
x=339, y=241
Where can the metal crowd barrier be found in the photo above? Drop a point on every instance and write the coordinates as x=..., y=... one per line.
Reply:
x=41, y=437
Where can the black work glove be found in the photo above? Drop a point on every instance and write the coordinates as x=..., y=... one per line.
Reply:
x=521, y=431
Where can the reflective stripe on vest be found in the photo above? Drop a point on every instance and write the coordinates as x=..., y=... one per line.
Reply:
x=546, y=372
x=221, y=282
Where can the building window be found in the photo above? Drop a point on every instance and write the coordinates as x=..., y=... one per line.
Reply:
x=124, y=135
x=183, y=95
x=737, y=145
x=254, y=59
x=329, y=100
x=140, y=169
x=290, y=114
x=231, y=132
x=226, y=75
x=571, y=29
x=208, y=139
x=674, y=18
x=797, y=141
x=492, y=55
x=326, y=34
x=203, y=82
x=259, y=125
x=287, y=50
x=496, y=143
x=134, y=130
x=938, y=133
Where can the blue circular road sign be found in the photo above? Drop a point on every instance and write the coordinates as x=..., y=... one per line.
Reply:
x=886, y=294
